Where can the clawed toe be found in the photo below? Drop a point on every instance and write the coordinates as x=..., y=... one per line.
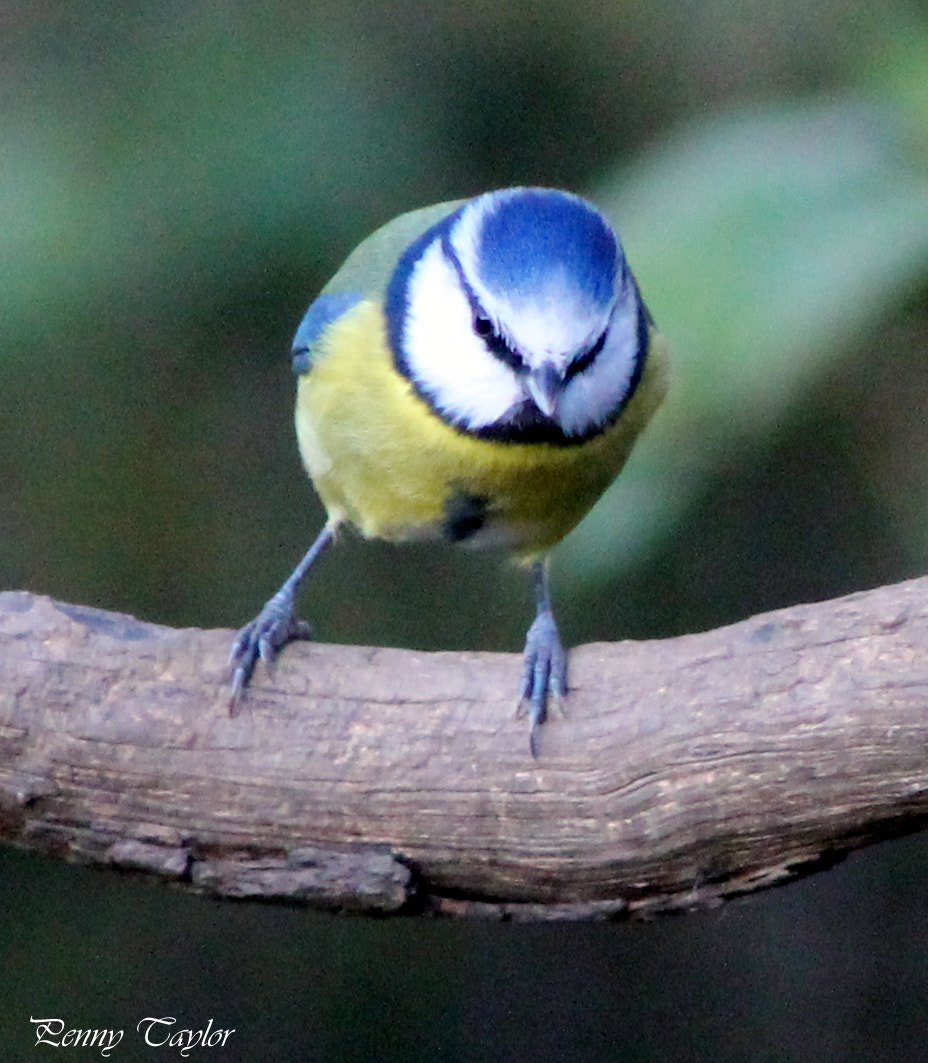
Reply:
x=263, y=639
x=544, y=674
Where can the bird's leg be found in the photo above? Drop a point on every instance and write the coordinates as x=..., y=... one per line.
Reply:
x=276, y=624
x=544, y=664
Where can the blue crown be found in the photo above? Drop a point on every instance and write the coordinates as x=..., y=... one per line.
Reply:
x=531, y=235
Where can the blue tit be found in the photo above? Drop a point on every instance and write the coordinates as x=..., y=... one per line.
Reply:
x=477, y=371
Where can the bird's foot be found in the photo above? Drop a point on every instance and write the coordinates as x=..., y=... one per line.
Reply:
x=263, y=638
x=544, y=673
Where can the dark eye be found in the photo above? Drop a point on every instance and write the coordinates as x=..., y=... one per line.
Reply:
x=586, y=358
x=497, y=345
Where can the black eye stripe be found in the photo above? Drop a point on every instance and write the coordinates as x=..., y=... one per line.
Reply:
x=586, y=359
x=497, y=344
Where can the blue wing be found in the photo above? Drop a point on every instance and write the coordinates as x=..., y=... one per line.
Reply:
x=328, y=307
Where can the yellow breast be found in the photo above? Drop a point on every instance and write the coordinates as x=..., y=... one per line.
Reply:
x=381, y=458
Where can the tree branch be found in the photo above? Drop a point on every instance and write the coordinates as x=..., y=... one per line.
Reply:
x=688, y=770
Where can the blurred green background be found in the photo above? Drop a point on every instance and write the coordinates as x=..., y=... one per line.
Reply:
x=177, y=182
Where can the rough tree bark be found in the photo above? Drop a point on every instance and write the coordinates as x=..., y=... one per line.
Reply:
x=381, y=780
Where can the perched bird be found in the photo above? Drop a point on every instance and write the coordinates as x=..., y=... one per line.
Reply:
x=477, y=371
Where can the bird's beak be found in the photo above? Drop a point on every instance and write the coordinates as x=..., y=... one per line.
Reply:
x=545, y=385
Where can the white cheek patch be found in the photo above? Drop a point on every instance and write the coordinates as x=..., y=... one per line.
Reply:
x=443, y=354
x=592, y=396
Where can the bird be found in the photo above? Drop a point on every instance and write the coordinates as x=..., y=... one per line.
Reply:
x=477, y=372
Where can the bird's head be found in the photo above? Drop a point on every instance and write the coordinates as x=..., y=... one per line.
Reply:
x=516, y=317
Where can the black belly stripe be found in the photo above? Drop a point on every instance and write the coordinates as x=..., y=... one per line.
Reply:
x=465, y=514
